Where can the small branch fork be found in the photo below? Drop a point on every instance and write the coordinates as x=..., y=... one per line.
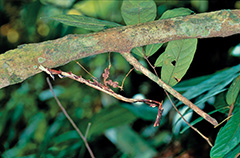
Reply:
x=138, y=66
x=104, y=88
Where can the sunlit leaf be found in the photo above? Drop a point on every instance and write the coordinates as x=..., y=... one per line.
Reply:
x=135, y=12
x=176, y=12
x=84, y=22
x=228, y=137
x=233, y=91
x=176, y=60
x=63, y=4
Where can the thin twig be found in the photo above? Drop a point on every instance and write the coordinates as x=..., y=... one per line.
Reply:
x=85, y=70
x=121, y=87
x=146, y=58
x=230, y=111
x=237, y=155
x=226, y=119
x=104, y=88
x=87, y=130
x=70, y=120
x=138, y=66
x=109, y=58
x=195, y=129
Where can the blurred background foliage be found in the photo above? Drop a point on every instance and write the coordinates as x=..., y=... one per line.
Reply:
x=32, y=124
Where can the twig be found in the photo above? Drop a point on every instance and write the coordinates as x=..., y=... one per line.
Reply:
x=226, y=119
x=87, y=130
x=85, y=69
x=138, y=66
x=230, y=111
x=237, y=155
x=195, y=129
x=146, y=58
x=204, y=137
x=104, y=88
x=121, y=87
x=70, y=120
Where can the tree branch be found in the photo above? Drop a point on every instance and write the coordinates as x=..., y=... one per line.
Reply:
x=138, y=66
x=18, y=64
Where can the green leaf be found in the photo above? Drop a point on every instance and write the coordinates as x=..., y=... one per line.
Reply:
x=135, y=12
x=176, y=12
x=221, y=77
x=220, y=103
x=176, y=60
x=228, y=138
x=233, y=91
x=110, y=117
x=144, y=112
x=196, y=121
x=129, y=142
x=69, y=135
x=185, y=85
x=152, y=48
x=138, y=51
x=84, y=22
x=234, y=152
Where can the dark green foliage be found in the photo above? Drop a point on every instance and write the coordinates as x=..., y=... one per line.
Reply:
x=32, y=125
x=228, y=138
x=84, y=22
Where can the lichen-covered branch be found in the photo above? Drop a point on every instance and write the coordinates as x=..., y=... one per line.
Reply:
x=18, y=64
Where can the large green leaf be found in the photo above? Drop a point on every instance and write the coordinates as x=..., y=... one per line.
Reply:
x=176, y=60
x=233, y=91
x=216, y=79
x=185, y=85
x=228, y=138
x=135, y=12
x=176, y=12
x=84, y=22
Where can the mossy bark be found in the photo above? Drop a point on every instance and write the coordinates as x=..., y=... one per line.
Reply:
x=18, y=64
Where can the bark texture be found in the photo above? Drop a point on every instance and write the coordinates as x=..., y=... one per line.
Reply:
x=18, y=64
